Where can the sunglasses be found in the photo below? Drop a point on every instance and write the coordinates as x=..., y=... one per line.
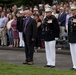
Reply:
x=72, y=10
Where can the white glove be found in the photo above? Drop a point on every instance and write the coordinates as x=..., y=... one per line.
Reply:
x=56, y=39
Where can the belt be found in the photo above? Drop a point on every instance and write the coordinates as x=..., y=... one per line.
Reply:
x=1, y=27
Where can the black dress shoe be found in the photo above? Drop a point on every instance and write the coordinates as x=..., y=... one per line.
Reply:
x=20, y=47
x=49, y=66
x=52, y=66
x=73, y=69
x=25, y=62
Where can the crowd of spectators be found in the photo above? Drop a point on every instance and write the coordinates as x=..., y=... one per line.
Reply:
x=9, y=33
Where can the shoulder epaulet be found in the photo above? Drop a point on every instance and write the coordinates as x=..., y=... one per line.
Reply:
x=53, y=16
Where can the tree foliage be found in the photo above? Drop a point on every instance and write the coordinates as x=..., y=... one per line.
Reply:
x=25, y=2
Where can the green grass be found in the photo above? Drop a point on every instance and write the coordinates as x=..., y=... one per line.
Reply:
x=12, y=69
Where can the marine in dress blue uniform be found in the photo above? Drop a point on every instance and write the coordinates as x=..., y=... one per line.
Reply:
x=72, y=36
x=51, y=31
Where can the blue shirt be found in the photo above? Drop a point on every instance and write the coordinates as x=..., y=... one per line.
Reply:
x=3, y=20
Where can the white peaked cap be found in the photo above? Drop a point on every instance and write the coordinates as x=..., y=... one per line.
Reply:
x=35, y=9
x=40, y=4
x=48, y=10
x=21, y=11
x=73, y=7
x=47, y=6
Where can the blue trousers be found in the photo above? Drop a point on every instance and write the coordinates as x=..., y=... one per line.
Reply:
x=9, y=32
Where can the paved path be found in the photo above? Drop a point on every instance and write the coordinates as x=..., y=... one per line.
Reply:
x=17, y=57
x=58, y=50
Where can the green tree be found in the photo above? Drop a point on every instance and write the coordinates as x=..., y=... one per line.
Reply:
x=26, y=2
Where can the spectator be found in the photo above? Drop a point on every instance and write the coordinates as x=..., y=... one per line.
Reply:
x=3, y=22
x=15, y=31
x=61, y=21
x=39, y=31
x=0, y=10
x=67, y=18
x=9, y=30
x=55, y=14
x=20, y=21
x=41, y=9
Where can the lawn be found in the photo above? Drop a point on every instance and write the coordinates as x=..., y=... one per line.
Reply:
x=12, y=69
